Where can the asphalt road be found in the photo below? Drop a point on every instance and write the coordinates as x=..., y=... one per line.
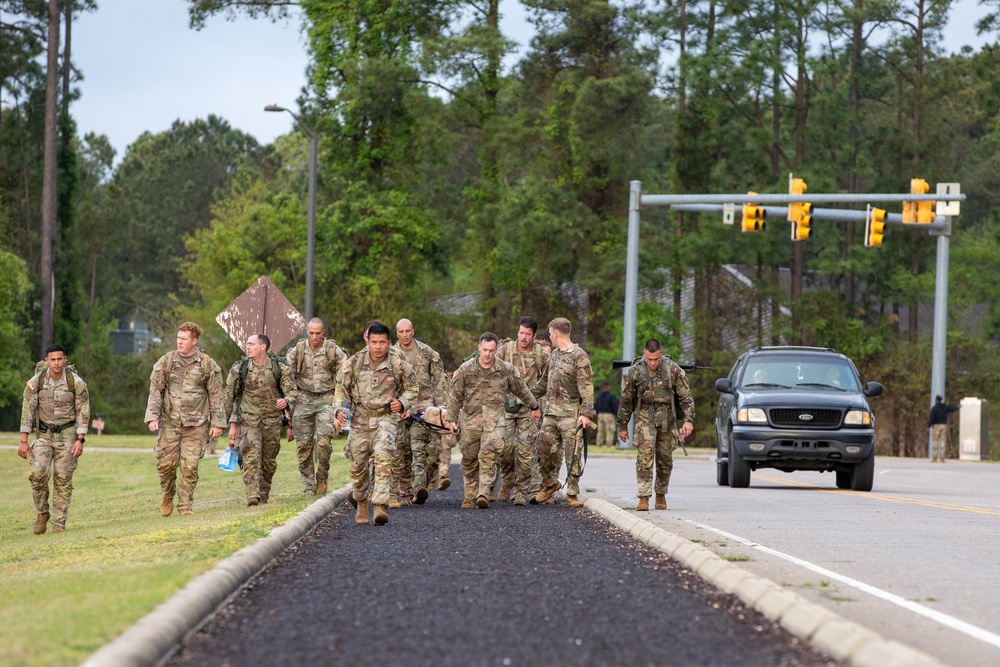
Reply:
x=505, y=586
x=916, y=560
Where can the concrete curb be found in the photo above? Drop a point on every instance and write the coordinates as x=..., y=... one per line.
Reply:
x=155, y=636
x=842, y=640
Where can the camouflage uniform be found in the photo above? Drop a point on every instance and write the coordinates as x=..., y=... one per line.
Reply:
x=568, y=389
x=314, y=373
x=650, y=396
x=185, y=397
x=368, y=388
x=258, y=421
x=409, y=463
x=54, y=405
x=518, y=458
x=476, y=403
x=440, y=443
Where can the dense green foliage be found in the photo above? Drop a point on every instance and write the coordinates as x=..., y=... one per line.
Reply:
x=450, y=165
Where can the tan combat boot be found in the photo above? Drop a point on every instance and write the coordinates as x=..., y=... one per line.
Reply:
x=573, y=501
x=443, y=483
x=482, y=502
x=186, y=511
x=321, y=488
x=505, y=492
x=519, y=499
x=381, y=516
x=421, y=496
x=394, y=503
x=166, y=505
x=41, y=522
x=643, y=505
x=661, y=501
x=545, y=494
x=467, y=504
x=361, y=516
x=56, y=528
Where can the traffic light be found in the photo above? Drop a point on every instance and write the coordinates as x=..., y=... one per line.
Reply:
x=753, y=217
x=874, y=226
x=799, y=213
x=918, y=212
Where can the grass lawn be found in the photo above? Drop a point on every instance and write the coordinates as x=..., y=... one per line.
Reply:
x=63, y=596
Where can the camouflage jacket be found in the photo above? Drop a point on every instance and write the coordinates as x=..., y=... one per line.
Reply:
x=315, y=371
x=429, y=368
x=477, y=396
x=186, y=392
x=530, y=365
x=655, y=398
x=54, y=403
x=567, y=384
x=260, y=391
x=369, y=387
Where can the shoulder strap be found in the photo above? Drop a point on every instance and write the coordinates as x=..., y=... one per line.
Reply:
x=276, y=372
x=300, y=350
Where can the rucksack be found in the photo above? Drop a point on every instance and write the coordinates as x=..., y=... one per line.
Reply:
x=665, y=370
x=69, y=370
x=300, y=349
x=242, y=379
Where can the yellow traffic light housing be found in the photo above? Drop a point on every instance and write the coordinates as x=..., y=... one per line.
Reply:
x=753, y=217
x=874, y=226
x=799, y=213
x=918, y=212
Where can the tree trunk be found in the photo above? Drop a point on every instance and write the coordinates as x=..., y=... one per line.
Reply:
x=67, y=68
x=49, y=176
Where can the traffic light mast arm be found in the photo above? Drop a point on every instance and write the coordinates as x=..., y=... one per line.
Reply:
x=831, y=214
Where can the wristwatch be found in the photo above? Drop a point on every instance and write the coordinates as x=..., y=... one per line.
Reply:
x=81, y=439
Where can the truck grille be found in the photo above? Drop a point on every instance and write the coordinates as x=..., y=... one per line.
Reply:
x=792, y=417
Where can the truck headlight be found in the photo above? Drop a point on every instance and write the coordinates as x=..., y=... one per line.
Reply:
x=751, y=416
x=858, y=418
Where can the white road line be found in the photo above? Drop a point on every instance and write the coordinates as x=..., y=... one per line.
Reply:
x=944, y=619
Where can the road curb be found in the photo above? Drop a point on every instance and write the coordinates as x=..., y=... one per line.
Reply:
x=831, y=634
x=157, y=634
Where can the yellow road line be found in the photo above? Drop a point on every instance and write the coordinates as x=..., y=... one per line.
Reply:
x=876, y=496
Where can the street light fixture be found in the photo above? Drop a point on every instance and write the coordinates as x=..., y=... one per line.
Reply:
x=311, y=233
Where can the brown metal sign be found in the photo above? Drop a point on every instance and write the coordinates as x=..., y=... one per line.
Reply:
x=262, y=308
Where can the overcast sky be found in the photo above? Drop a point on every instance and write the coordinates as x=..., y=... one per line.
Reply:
x=144, y=67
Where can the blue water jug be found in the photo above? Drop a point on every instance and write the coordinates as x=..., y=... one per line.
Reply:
x=229, y=459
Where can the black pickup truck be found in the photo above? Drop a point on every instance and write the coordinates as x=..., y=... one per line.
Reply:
x=795, y=408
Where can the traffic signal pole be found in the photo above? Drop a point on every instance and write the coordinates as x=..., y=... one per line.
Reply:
x=725, y=203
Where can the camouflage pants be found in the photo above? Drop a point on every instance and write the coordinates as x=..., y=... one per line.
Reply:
x=372, y=444
x=54, y=451
x=517, y=458
x=260, y=442
x=434, y=455
x=558, y=439
x=402, y=462
x=447, y=443
x=312, y=423
x=480, y=450
x=420, y=438
x=648, y=453
x=183, y=447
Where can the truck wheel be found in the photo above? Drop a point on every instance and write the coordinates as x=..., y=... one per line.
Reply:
x=739, y=469
x=843, y=479
x=721, y=467
x=863, y=474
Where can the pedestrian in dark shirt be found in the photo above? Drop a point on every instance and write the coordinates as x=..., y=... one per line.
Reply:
x=606, y=405
x=938, y=424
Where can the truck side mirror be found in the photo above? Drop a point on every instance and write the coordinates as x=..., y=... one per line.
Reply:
x=723, y=385
x=873, y=389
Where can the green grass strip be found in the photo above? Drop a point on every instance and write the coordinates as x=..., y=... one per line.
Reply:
x=63, y=596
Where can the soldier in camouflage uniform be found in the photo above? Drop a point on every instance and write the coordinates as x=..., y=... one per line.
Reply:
x=185, y=406
x=409, y=463
x=57, y=408
x=649, y=388
x=478, y=394
x=440, y=446
x=255, y=400
x=380, y=388
x=568, y=387
x=518, y=455
x=314, y=364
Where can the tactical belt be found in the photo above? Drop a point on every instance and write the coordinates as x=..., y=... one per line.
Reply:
x=44, y=427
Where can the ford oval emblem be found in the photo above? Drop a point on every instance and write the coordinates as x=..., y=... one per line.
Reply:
x=806, y=417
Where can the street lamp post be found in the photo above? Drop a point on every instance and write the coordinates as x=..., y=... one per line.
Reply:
x=311, y=229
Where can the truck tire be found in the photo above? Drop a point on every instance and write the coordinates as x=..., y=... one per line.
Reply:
x=863, y=474
x=739, y=469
